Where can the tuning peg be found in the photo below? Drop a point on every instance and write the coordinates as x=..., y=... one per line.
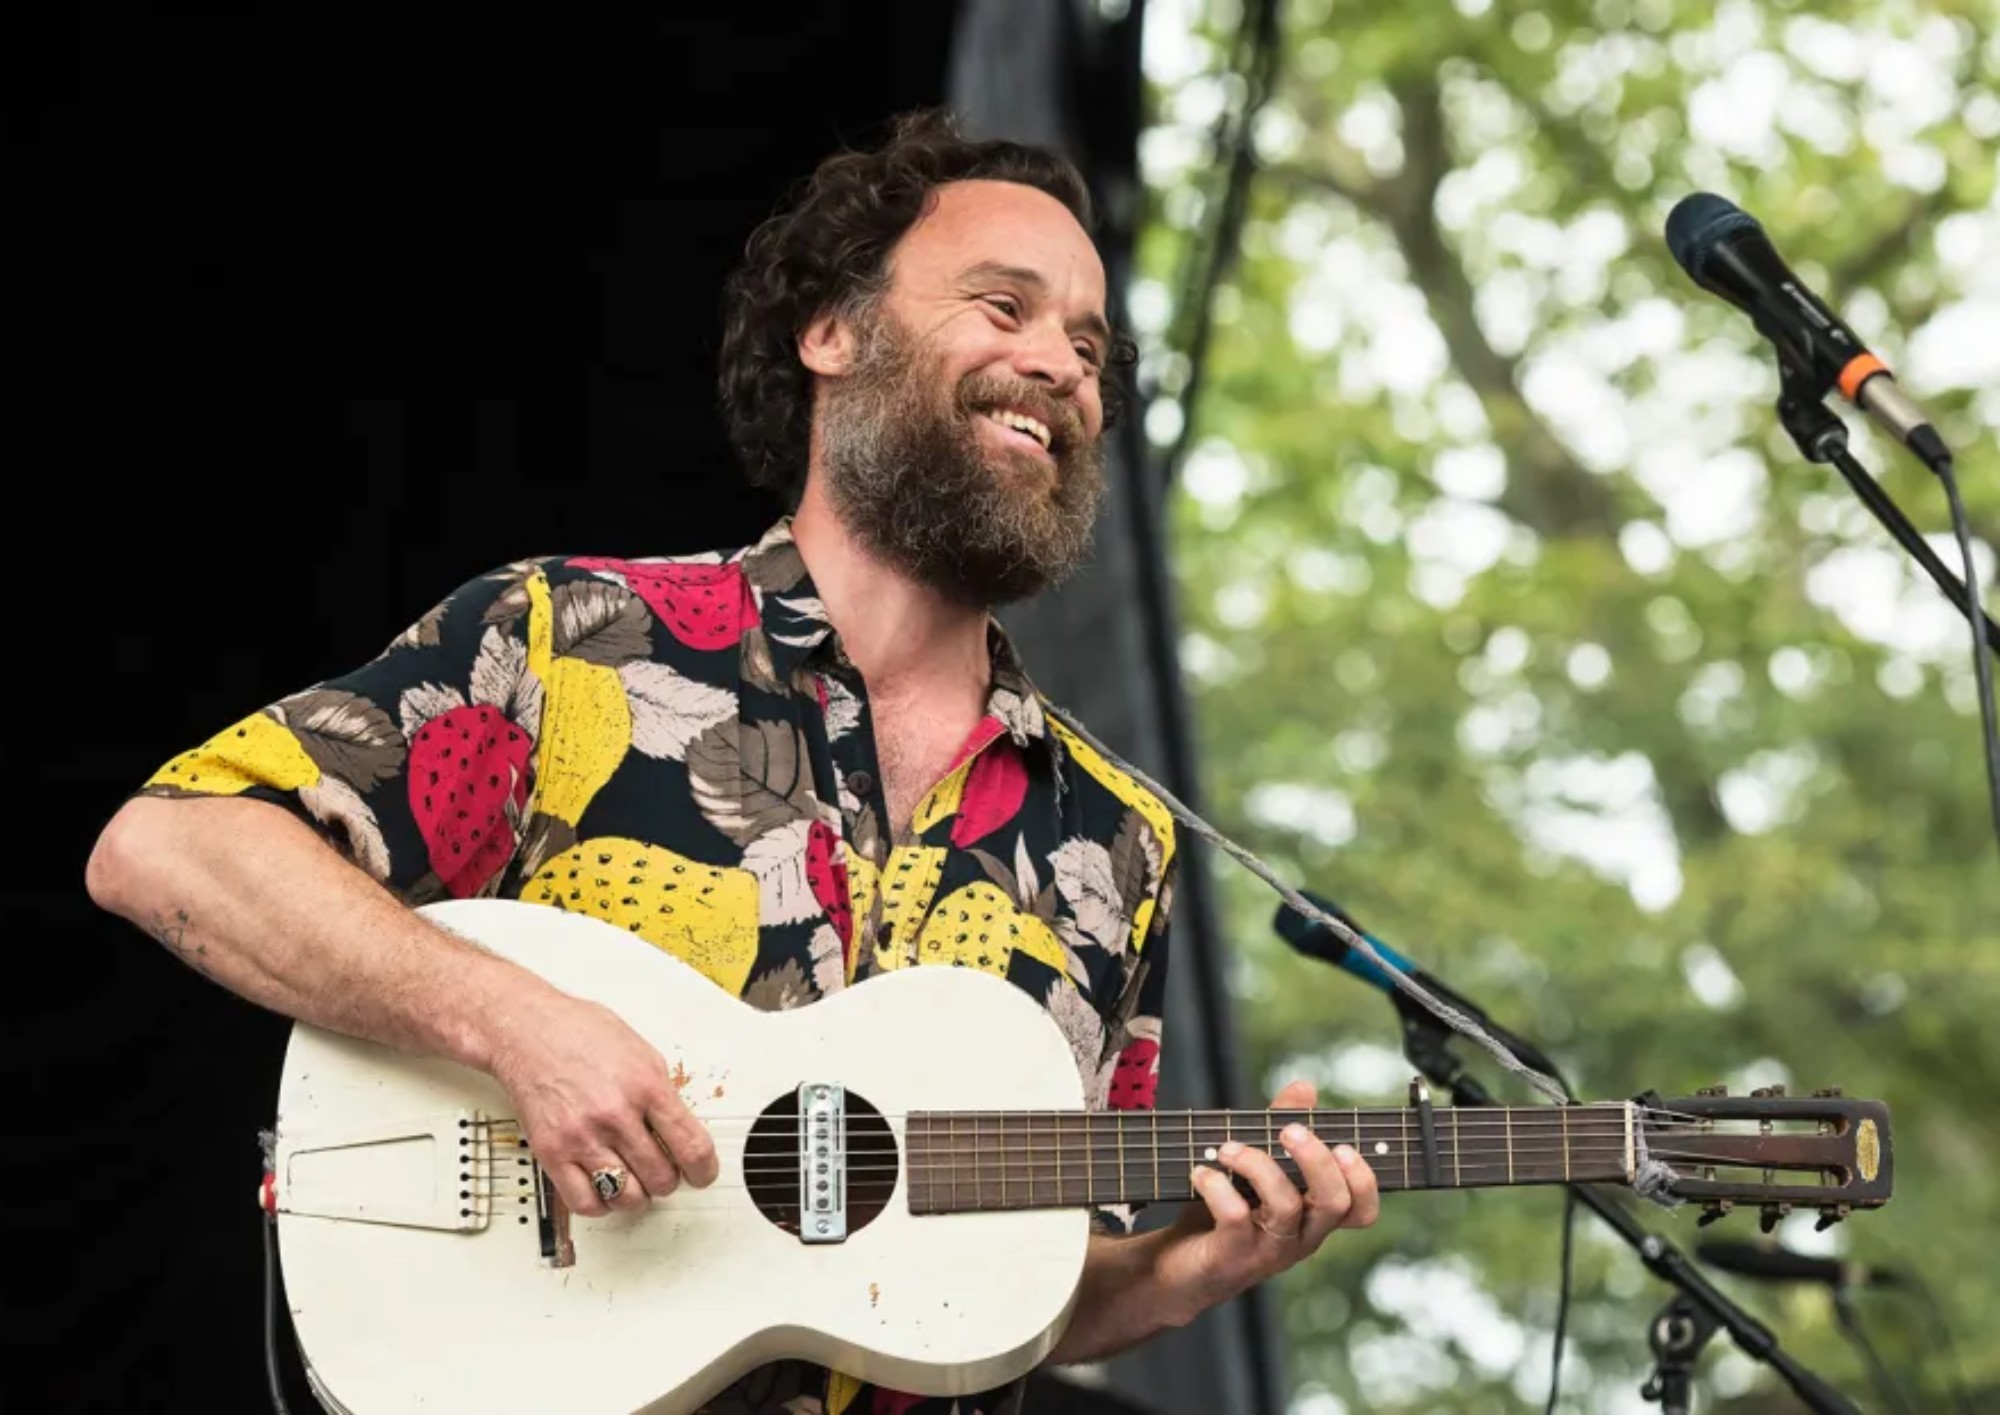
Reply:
x=1767, y=1093
x=1827, y=1094
x=1713, y=1210
x=1830, y=1215
x=1768, y=1220
x=1711, y=1090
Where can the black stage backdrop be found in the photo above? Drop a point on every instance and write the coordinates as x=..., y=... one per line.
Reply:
x=335, y=310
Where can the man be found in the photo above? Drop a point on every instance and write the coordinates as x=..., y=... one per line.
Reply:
x=794, y=766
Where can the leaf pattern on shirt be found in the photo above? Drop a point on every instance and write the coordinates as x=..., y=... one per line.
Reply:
x=748, y=777
x=600, y=623
x=670, y=710
x=346, y=734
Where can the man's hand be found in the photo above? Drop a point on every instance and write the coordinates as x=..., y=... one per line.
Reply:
x=1220, y=1247
x=592, y=1094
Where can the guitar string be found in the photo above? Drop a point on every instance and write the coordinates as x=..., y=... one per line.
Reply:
x=1491, y=1114
x=1488, y=1167
x=1061, y=1142
x=1498, y=1157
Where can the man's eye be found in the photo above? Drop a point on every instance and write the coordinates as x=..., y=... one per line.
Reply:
x=1089, y=355
x=1005, y=304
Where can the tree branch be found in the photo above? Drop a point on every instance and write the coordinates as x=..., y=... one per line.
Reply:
x=1548, y=490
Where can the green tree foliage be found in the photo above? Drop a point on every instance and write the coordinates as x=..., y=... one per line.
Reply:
x=1515, y=623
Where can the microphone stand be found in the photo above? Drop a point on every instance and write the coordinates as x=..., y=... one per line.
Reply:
x=1681, y=1328
x=1822, y=437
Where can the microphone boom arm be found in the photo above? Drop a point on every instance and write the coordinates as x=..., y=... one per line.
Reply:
x=1822, y=437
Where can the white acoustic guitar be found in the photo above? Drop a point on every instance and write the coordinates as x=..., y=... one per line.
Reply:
x=905, y=1172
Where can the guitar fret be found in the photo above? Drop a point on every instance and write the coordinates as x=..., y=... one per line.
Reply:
x=1457, y=1159
x=1507, y=1121
x=1157, y=1191
x=1562, y=1113
x=1403, y=1133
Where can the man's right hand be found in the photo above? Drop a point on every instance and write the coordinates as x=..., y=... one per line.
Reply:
x=592, y=1094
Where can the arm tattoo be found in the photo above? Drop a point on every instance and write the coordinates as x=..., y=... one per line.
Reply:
x=173, y=933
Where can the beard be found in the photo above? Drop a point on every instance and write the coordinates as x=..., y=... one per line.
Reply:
x=911, y=476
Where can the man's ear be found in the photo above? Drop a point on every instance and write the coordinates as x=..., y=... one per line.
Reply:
x=826, y=346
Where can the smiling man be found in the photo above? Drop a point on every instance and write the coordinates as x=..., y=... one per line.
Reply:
x=807, y=762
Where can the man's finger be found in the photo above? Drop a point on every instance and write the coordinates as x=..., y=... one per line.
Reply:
x=1360, y=1177
x=1282, y=1209
x=1328, y=1198
x=1226, y=1207
x=686, y=1139
x=572, y=1181
x=649, y=1161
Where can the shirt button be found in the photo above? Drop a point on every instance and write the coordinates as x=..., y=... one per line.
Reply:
x=860, y=783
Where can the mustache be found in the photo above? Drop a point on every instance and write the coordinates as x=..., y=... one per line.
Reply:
x=986, y=393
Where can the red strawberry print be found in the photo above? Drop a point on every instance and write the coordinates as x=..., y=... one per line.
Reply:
x=704, y=606
x=994, y=791
x=826, y=872
x=1135, y=1078
x=463, y=766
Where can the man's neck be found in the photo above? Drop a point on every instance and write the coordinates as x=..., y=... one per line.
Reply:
x=905, y=637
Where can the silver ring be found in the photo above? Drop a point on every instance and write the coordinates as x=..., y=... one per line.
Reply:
x=1268, y=1231
x=609, y=1183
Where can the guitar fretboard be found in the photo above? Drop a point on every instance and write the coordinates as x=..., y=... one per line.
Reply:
x=961, y=1161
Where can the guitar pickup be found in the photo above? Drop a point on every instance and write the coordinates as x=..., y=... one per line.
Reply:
x=822, y=1163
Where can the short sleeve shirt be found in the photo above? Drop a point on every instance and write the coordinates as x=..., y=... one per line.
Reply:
x=680, y=746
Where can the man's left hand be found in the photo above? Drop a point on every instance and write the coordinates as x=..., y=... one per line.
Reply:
x=1221, y=1246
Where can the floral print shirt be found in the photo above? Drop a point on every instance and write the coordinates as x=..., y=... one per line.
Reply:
x=680, y=746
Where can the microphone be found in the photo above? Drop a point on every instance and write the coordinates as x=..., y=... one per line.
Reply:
x=1772, y=1264
x=1725, y=251
x=1316, y=940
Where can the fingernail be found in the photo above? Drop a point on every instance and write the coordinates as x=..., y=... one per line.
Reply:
x=1345, y=1154
x=1194, y=1177
x=1231, y=1149
x=1296, y=1135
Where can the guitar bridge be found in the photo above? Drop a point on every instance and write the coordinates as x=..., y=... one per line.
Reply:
x=822, y=1163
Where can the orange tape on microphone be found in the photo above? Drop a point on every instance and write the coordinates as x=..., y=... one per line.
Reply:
x=1859, y=370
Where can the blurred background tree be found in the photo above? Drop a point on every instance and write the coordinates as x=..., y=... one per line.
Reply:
x=1515, y=623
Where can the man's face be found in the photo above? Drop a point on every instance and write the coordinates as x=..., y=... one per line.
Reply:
x=962, y=437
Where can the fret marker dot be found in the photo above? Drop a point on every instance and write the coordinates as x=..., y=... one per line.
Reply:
x=1381, y=1147
x=1209, y=1153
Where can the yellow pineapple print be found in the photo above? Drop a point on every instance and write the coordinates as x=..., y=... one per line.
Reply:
x=258, y=751
x=704, y=915
x=979, y=927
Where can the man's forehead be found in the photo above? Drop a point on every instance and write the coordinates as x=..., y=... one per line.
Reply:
x=986, y=223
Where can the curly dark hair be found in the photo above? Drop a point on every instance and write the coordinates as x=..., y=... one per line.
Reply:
x=829, y=251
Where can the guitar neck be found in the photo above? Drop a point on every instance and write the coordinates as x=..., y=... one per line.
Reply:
x=965, y=1161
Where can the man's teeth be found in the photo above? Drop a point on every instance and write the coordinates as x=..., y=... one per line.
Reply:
x=1026, y=424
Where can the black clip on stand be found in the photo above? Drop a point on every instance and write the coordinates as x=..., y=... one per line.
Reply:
x=1822, y=437
x=1697, y=1311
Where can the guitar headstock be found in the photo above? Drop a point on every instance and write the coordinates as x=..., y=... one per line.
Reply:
x=1780, y=1152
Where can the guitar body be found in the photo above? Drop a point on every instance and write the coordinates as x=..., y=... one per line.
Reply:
x=414, y=1234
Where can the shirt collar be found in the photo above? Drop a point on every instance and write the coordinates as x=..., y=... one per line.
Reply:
x=798, y=632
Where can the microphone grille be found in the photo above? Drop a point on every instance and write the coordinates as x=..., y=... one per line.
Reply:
x=1698, y=223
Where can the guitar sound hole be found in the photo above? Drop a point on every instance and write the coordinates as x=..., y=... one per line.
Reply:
x=771, y=1163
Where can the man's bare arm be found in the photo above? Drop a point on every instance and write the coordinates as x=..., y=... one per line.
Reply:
x=250, y=896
